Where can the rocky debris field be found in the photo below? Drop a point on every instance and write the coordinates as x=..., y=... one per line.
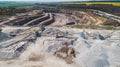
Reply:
x=69, y=47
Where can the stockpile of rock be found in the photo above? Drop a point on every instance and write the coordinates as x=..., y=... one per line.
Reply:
x=66, y=52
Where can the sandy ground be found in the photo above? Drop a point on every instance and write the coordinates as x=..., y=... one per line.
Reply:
x=8, y=29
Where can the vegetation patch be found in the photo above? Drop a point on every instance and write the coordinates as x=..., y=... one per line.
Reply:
x=13, y=3
x=91, y=3
x=107, y=27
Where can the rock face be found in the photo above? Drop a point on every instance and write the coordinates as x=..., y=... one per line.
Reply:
x=12, y=48
x=84, y=18
x=112, y=23
x=24, y=20
x=52, y=32
x=65, y=52
x=15, y=32
x=12, y=51
x=3, y=36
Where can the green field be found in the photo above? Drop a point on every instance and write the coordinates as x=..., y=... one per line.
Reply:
x=13, y=3
x=90, y=3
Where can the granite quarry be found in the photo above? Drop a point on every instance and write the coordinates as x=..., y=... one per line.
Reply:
x=36, y=41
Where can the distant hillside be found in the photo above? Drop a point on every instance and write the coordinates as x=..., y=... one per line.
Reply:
x=92, y=2
x=14, y=3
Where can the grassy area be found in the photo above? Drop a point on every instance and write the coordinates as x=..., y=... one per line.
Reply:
x=93, y=27
x=13, y=3
x=90, y=3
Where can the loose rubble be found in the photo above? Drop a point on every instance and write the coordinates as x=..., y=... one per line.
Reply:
x=65, y=52
x=63, y=47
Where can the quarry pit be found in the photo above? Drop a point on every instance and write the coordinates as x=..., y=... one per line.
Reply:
x=48, y=40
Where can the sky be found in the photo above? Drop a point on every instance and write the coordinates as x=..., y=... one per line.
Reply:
x=58, y=0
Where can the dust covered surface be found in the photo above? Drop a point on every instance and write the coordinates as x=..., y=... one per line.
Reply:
x=92, y=48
